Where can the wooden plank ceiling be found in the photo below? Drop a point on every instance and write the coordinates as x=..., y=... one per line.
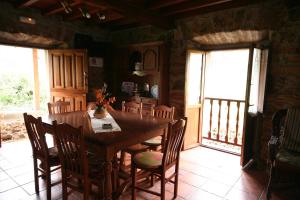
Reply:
x=121, y=14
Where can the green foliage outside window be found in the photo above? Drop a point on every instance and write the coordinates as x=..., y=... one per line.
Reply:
x=16, y=91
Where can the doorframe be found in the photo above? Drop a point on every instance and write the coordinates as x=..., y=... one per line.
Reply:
x=205, y=49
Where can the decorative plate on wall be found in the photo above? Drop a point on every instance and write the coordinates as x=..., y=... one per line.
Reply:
x=154, y=91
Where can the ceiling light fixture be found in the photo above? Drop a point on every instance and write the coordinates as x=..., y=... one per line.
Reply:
x=85, y=13
x=66, y=5
x=27, y=20
x=101, y=17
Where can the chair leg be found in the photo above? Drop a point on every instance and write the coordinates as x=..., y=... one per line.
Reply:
x=64, y=188
x=122, y=158
x=163, y=185
x=176, y=184
x=86, y=191
x=133, y=183
x=48, y=183
x=36, y=177
x=152, y=180
x=270, y=183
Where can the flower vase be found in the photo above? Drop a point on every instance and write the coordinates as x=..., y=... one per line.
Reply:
x=100, y=113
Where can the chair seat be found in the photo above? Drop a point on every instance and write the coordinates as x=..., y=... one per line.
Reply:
x=153, y=142
x=148, y=160
x=137, y=148
x=288, y=157
x=53, y=156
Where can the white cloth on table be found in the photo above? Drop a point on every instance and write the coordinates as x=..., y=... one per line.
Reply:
x=98, y=123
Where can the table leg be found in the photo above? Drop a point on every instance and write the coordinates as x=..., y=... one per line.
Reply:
x=108, y=182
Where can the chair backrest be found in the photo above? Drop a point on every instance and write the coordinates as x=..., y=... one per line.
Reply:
x=91, y=106
x=291, y=132
x=36, y=133
x=71, y=149
x=163, y=111
x=59, y=107
x=132, y=107
x=176, y=132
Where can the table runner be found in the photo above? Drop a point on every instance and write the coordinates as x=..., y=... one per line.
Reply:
x=97, y=123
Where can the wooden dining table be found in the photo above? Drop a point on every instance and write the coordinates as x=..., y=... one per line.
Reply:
x=135, y=128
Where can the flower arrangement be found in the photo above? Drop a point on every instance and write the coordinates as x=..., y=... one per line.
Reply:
x=103, y=99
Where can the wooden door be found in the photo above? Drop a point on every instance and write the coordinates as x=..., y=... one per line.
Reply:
x=193, y=97
x=68, y=77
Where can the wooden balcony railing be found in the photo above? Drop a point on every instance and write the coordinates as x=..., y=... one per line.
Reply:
x=223, y=120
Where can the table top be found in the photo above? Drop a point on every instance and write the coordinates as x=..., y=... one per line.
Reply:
x=134, y=127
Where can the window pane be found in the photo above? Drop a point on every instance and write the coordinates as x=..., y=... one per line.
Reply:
x=194, y=78
x=226, y=74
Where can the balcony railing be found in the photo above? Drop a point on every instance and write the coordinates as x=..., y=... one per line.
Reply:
x=223, y=123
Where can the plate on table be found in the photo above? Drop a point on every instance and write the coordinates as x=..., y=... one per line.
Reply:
x=154, y=91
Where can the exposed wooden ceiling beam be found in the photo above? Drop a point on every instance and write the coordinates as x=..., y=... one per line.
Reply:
x=136, y=12
x=59, y=9
x=192, y=5
x=224, y=6
x=79, y=15
x=165, y=3
x=27, y=3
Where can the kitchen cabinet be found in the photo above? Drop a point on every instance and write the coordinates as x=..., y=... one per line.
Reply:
x=146, y=64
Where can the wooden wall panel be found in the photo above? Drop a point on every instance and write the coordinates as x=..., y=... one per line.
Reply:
x=79, y=69
x=68, y=68
x=191, y=138
x=58, y=72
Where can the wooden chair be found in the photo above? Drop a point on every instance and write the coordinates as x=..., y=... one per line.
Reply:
x=158, y=163
x=284, y=146
x=165, y=112
x=40, y=151
x=59, y=107
x=80, y=169
x=132, y=107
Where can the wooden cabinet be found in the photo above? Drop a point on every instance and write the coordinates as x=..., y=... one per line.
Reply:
x=145, y=57
x=146, y=64
x=150, y=58
x=68, y=76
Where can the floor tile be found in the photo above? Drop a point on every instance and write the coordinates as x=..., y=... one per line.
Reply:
x=216, y=188
x=235, y=194
x=7, y=185
x=14, y=194
x=203, y=195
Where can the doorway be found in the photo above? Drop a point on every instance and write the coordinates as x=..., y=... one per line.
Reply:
x=222, y=88
x=224, y=98
x=24, y=87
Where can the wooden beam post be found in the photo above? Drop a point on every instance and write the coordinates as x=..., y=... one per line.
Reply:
x=36, y=92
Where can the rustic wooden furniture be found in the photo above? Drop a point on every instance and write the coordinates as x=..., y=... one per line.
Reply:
x=158, y=163
x=132, y=107
x=78, y=173
x=165, y=112
x=153, y=70
x=134, y=129
x=68, y=74
x=59, y=107
x=284, y=146
x=47, y=156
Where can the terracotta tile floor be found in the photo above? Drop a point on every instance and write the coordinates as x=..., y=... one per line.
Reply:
x=205, y=174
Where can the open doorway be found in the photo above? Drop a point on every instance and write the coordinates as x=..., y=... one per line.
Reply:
x=222, y=88
x=24, y=87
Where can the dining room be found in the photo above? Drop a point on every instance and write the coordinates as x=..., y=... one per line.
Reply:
x=151, y=99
